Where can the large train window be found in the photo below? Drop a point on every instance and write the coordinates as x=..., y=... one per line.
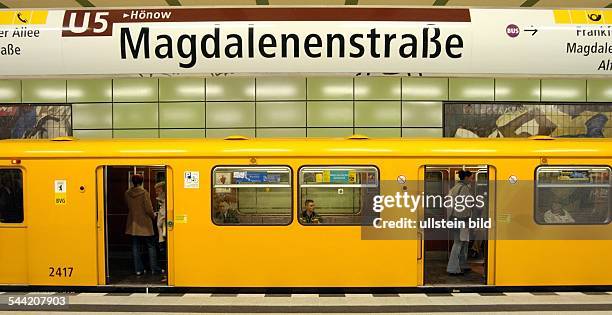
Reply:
x=336, y=195
x=11, y=196
x=573, y=195
x=252, y=195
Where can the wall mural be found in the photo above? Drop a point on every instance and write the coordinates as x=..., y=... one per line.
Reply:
x=35, y=121
x=462, y=120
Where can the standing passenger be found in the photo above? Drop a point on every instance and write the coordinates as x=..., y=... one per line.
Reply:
x=457, y=262
x=140, y=224
x=160, y=196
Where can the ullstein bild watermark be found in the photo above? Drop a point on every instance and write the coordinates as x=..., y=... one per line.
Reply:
x=458, y=211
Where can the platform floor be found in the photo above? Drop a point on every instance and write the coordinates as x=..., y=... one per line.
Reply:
x=439, y=303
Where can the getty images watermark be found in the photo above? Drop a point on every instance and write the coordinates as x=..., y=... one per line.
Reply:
x=459, y=211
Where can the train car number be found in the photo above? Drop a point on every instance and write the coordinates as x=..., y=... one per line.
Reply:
x=60, y=272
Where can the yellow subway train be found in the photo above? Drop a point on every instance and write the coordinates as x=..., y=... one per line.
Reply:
x=234, y=212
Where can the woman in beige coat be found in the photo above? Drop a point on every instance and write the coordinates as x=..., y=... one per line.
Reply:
x=140, y=224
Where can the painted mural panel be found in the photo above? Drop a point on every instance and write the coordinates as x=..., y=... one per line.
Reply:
x=463, y=120
x=35, y=121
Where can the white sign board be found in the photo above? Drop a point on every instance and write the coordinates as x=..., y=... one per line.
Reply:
x=60, y=189
x=60, y=186
x=305, y=40
x=191, y=179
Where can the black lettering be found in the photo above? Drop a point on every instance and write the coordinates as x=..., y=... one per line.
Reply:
x=434, y=41
x=411, y=45
x=308, y=45
x=373, y=36
x=190, y=53
x=167, y=45
x=330, y=44
x=204, y=46
x=263, y=45
x=450, y=46
x=284, y=44
x=238, y=46
x=355, y=44
x=388, y=38
x=143, y=39
x=251, y=43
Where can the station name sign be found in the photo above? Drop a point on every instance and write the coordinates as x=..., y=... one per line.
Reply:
x=305, y=40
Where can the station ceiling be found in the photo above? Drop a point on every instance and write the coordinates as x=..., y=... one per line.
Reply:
x=158, y=3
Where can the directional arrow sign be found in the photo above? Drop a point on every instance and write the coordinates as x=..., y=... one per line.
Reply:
x=533, y=31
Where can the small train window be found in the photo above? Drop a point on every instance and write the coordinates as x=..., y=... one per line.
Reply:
x=252, y=195
x=573, y=195
x=337, y=195
x=11, y=196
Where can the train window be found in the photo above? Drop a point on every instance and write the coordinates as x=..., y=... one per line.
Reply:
x=252, y=195
x=573, y=195
x=337, y=195
x=11, y=196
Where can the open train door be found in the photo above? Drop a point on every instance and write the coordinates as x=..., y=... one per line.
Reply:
x=116, y=254
x=436, y=243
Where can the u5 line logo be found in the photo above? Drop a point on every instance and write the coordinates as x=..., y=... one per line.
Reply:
x=86, y=23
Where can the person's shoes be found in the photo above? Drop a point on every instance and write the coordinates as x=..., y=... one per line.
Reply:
x=455, y=274
x=139, y=273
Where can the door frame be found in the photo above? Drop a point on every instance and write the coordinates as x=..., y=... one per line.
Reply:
x=101, y=193
x=491, y=233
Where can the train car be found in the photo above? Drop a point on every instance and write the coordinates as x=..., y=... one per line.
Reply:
x=63, y=211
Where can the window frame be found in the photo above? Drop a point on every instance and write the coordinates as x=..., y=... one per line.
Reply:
x=536, y=198
x=23, y=196
x=299, y=190
x=212, y=193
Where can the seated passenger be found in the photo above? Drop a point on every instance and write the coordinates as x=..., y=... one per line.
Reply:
x=309, y=215
x=557, y=215
x=224, y=214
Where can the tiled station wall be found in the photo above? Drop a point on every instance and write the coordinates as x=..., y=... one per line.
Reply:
x=274, y=106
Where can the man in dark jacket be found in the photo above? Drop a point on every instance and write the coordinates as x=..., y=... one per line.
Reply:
x=309, y=216
x=225, y=215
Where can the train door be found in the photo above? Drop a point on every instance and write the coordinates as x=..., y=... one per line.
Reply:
x=437, y=242
x=129, y=260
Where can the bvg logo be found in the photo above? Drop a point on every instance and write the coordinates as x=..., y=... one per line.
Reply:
x=86, y=23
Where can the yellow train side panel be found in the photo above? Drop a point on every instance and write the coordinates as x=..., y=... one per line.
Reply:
x=13, y=255
x=282, y=256
x=65, y=236
x=61, y=237
x=527, y=254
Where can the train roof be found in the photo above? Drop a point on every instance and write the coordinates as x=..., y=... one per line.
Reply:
x=242, y=147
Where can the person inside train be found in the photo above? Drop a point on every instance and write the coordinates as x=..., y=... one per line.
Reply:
x=557, y=215
x=160, y=214
x=224, y=214
x=308, y=215
x=6, y=200
x=140, y=224
x=457, y=261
